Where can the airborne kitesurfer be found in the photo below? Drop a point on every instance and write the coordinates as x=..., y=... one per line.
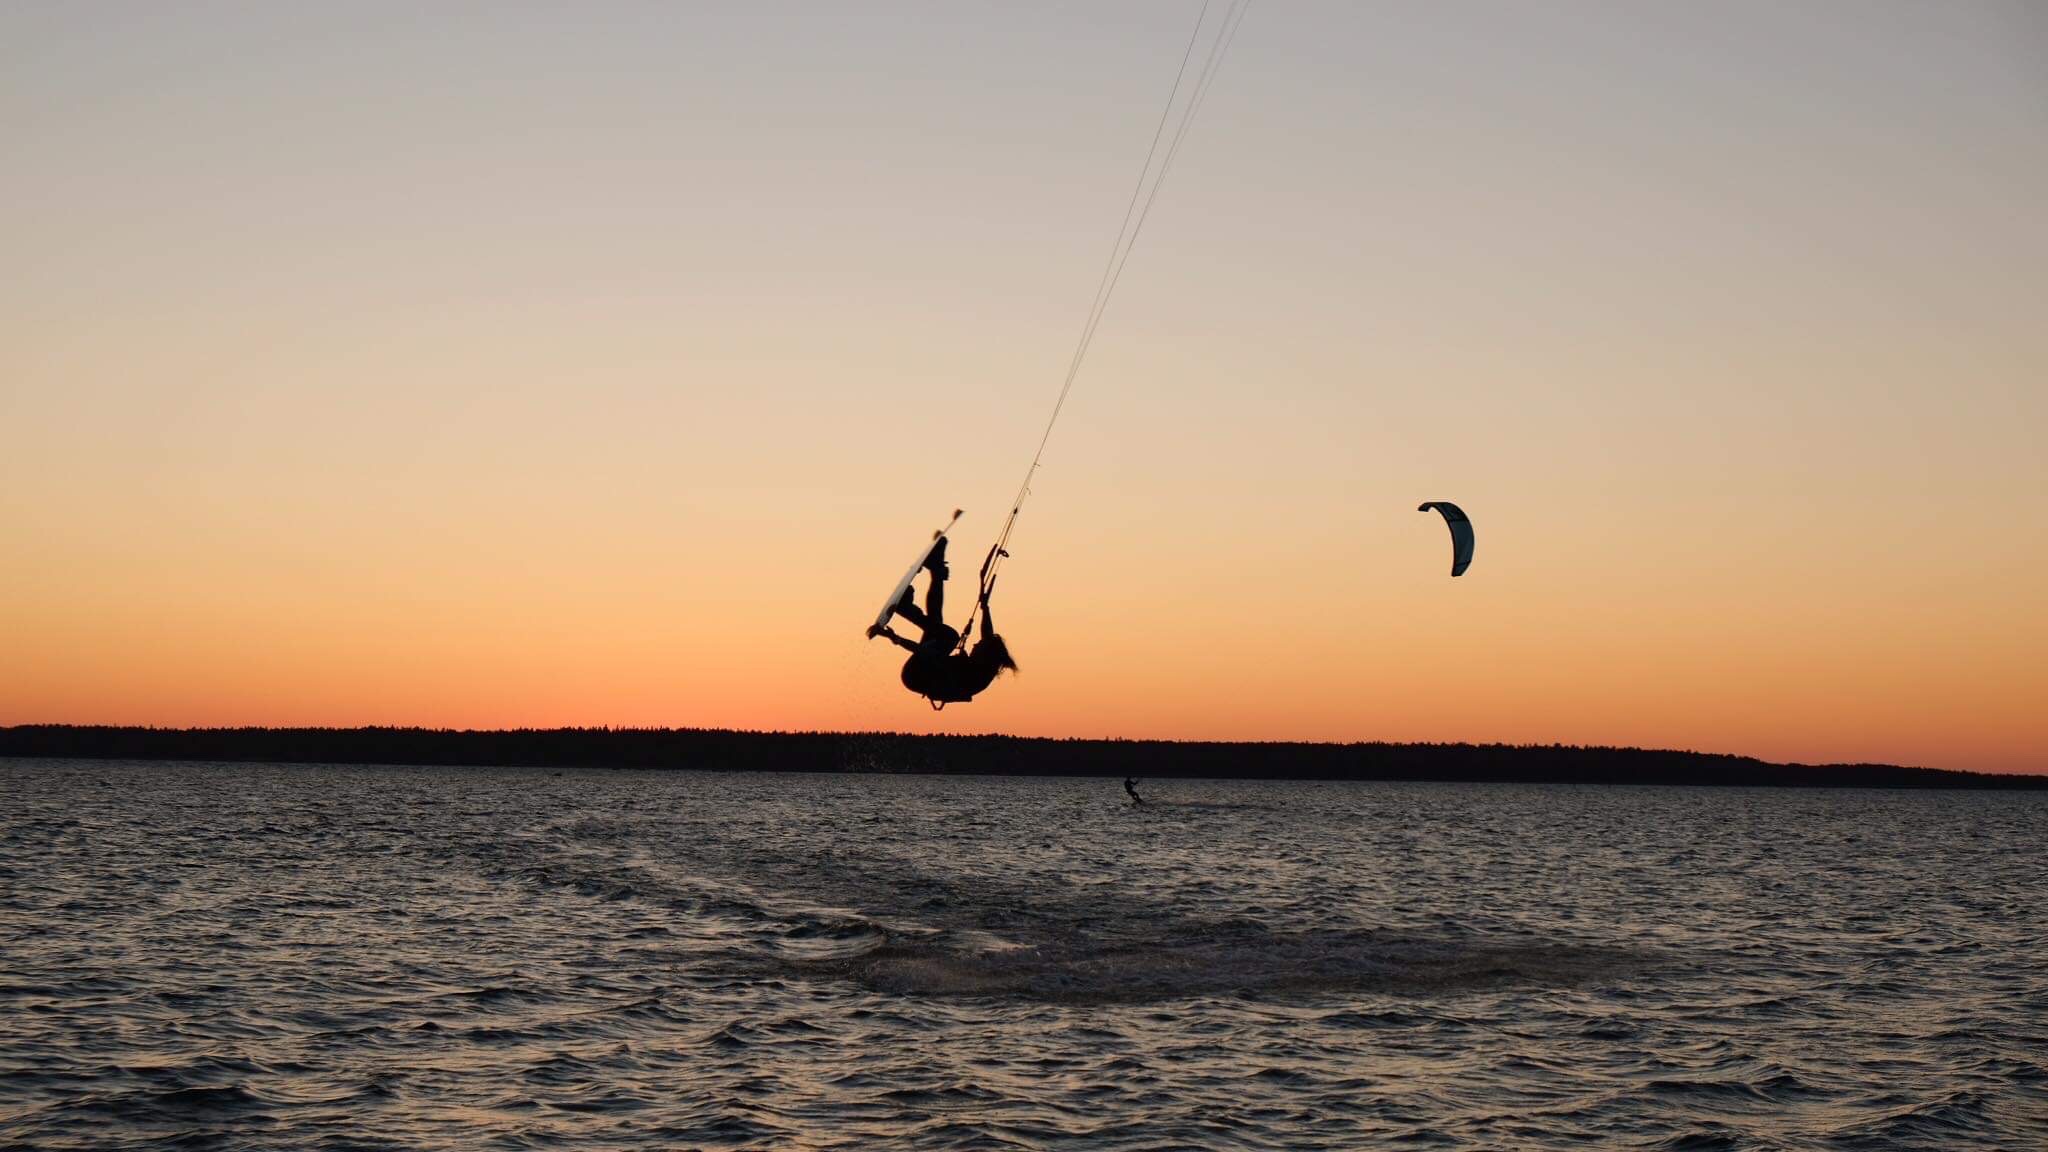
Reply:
x=936, y=669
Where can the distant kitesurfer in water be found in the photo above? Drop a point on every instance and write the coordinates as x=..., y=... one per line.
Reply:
x=935, y=669
x=1131, y=786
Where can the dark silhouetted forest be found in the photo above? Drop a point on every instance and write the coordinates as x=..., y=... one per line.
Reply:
x=720, y=750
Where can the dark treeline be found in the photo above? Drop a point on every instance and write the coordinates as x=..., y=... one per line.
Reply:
x=720, y=750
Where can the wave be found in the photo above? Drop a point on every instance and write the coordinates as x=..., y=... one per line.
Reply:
x=1950, y=1119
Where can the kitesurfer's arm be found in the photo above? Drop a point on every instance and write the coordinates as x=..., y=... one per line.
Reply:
x=988, y=620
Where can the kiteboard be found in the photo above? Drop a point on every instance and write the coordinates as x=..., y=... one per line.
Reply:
x=910, y=577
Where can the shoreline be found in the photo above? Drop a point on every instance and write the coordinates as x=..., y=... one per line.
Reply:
x=708, y=749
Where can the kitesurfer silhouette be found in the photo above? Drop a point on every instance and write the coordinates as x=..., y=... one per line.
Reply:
x=1131, y=786
x=936, y=669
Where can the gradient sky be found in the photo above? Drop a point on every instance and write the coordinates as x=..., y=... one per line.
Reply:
x=603, y=364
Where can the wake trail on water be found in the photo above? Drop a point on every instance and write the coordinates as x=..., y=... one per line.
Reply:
x=890, y=927
x=1247, y=961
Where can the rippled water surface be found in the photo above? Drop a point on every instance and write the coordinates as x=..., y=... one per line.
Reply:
x=254, y=956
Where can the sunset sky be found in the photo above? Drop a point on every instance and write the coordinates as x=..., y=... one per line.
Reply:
x=511, y=364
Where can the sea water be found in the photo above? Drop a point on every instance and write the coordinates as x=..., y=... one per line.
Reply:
x=270, y=957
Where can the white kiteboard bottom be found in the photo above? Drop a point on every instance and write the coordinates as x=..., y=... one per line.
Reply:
x=910, y=577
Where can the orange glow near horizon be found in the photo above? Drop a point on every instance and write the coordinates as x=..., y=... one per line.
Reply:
x=597, y=373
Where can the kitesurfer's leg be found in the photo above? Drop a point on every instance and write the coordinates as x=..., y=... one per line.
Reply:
x=908, y=609
x=899, y=641
x=935, y=592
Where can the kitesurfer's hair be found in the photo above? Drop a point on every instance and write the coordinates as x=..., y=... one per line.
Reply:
x=998, y=653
